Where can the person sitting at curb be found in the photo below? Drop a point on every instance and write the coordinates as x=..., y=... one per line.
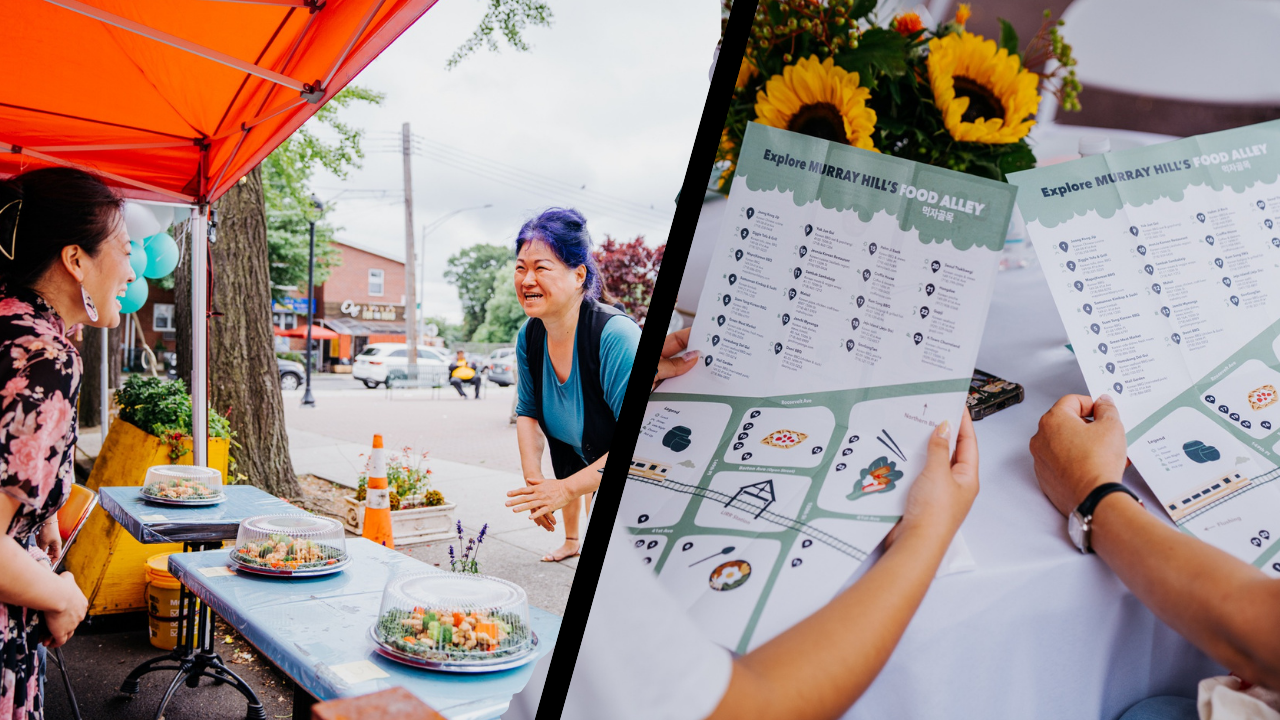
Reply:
x=1223, y=606
x=461, y=371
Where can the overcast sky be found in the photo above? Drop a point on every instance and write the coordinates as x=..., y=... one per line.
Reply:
x=608, y=98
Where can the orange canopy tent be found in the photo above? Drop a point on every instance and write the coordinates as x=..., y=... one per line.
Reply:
x=175, y=100
x=318, y=332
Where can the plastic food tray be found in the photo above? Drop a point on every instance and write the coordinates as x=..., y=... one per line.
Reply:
x=295, y=545
x=183, y=485
x=454, y=622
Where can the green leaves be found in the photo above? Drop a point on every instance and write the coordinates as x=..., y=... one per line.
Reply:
x=510, y=17
x=879, y=51
x=861, y=8
x=474, y=271
x=1008, y=37
x=162, y=407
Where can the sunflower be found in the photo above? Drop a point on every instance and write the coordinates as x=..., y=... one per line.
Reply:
x=817, y=98
x=983, y=93
x=746, y=72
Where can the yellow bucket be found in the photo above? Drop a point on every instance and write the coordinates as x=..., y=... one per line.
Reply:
x=163, y=603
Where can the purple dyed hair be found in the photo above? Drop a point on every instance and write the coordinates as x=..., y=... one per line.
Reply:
x=564, y=230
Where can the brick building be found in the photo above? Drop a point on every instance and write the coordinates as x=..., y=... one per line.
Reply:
x=362, y=301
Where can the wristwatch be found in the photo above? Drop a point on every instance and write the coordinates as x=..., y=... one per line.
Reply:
x=1080, y=521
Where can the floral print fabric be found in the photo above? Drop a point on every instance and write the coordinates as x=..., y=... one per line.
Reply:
x=39, y=383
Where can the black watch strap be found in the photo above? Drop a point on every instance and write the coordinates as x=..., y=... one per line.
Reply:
x=1090, y=502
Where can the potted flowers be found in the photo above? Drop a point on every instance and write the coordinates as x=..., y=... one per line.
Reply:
x=419, y=513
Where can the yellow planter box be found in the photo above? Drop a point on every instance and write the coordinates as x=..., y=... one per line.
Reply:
x=106, y=561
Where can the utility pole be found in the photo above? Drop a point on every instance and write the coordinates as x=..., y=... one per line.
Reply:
x=410, y=283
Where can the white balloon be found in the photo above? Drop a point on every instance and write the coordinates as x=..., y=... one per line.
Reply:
x=140, y=222
x=164, y=215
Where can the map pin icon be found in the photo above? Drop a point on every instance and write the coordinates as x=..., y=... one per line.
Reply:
x=1262, y=205
x=816, y=450
x=1200, y=217
x=806, y=543
x=1111, y=368
x=1102, y=347
x=1071, y=265
x=1266, y=424
x=1226, y=281
x=807, y=230
x=1210, y=399
x=795, y=562
x=743, y=436
x=935, y=266
x=1156, y=287
x=746, y=456
x=750, y=212
x=1276, y=242
x=706, y=360
x=855, y=323
x=1268, y=223
x=860, y=300
x=1150, y=270
x=1119, y=388
x=1164, y=311
x=1235, y=301
x=737, y=255
x=1246, y=424
x=1142, y=249
x=1088, y=309
x=745, y=232
x=848, y=345
x=918, y=338
x=1095, y=328
x=720, y=320
x=786, y=318
x=1133, y=231
x=866, y=275
x=733, y=278
x=1208, y=238
x=1234, y=416
x=715, y=340
x=846, y=451
x=791, y=294
x=803, y=251
x=853, y=439
x=924, y=312
x=928, y=289
x=1078, y=285
x=797, y=272
x=727, y=299
x=1218, y=262
x=872, y=247
x=755, y=414
x=1063, y=246
x=1176, y=338
x=777, y=348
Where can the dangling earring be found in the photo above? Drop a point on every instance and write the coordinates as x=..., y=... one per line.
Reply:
x=88, y=305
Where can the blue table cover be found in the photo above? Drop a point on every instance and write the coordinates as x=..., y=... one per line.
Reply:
x=150, y=522
x=309, y=626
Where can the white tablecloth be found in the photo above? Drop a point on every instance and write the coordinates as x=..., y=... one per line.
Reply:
x=1037, y=630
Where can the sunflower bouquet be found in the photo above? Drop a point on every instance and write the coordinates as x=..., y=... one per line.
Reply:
x=941, y=96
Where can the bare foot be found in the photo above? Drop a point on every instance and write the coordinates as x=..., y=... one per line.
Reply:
x=564, y=552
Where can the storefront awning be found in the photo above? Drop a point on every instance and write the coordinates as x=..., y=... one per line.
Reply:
x=364, y=328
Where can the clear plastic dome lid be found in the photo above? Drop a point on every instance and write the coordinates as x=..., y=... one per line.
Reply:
x=454, y=617
x=183, y=483
x=290, y=542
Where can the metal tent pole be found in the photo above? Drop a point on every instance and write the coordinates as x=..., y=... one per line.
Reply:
x=199, y=337
x=104, y=377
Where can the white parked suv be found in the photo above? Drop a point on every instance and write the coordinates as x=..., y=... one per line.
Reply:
x=371, y=366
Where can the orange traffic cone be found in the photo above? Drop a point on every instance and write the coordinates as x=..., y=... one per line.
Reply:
x=377, y=510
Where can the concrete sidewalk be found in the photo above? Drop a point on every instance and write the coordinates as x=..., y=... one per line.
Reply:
x=513, y=546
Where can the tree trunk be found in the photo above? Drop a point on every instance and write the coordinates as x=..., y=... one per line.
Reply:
x=182, y=306
x=91, y=357
x=244, y=382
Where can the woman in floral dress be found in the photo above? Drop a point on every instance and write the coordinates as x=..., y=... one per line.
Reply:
x=64, y=259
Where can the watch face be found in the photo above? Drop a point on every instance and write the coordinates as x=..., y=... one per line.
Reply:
x=1075, y=529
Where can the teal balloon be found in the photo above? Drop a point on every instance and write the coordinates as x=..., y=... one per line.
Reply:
x=137, y=258
x=135, y=296
x=162, y=255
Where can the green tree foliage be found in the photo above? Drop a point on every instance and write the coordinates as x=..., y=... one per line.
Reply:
x=450, y=332
x=286, y=174
x=510, y=17
x=503, y=315
x=474, y=271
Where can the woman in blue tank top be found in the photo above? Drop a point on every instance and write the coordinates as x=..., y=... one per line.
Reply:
x=574, y=358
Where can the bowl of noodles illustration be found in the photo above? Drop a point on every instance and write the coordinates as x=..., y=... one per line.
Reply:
x=730, y=575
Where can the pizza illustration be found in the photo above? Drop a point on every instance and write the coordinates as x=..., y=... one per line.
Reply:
x=1262, y=397
x=784, y=439
x=729, y=575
